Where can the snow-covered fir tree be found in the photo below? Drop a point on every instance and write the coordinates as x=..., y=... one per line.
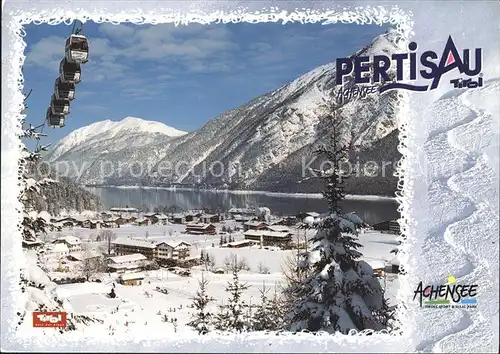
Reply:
x=232, y=317
x=201, y=317
x=33, y=223
x=341, y=292
x=267, y=317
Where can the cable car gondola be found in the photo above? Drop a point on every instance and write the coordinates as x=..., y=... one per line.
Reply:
x=59, y=107
x=64, y=90
x=70, y=72
x=77, y=49
x=55, y=120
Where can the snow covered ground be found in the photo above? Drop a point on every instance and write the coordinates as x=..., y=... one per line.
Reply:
x=134, y=311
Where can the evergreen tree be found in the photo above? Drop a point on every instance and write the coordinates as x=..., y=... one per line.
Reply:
x=201, y=318
x=33, y=223
x=263, y=318
x=340, y=291
x=232, y=317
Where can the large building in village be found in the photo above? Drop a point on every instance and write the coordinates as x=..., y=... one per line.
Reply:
x=152, y=250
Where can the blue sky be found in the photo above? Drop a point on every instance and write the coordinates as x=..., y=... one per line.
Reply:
x=181, y=76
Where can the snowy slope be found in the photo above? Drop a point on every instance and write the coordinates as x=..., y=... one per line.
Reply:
x=87, y=149
x=463, y=216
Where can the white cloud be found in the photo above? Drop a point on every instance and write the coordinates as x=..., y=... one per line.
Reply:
x=47, y=53
x=119, y=32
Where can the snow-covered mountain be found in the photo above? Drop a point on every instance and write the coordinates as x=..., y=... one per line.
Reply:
x=86, y=148
x=269, y=138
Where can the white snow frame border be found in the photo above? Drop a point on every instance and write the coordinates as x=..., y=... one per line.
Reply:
x=56, y=12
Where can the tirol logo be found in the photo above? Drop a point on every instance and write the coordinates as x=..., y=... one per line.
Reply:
x=449, y=295
x=432, y=67
x=49, y=319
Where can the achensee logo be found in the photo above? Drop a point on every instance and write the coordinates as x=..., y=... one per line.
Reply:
x=450, y=295
x=432, y=67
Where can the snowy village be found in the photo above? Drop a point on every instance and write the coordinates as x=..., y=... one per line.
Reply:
x=129, y=260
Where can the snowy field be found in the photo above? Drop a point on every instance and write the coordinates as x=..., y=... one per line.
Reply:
x=143, y=308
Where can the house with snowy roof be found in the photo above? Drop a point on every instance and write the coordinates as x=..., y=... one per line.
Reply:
x=127, y=263
x=177, y=250
x=254, y=225
x=74, y=244
x=200, y=229
x=126, y=246
x=268, y=237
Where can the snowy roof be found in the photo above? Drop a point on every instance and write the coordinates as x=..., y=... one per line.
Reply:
x=376, y=263
x=70, y=240
x=124, y=209
x=313, y=214
x=132, y=242
x=161, y=216
x=276, y=234
x=178, y=215
x=254, y=233
x=60, y=247
x=208, y=215
x=80, y=256
x=142, y=220
x=128, y=258
x=254, y=223
x=148, y=215
x=242, y=242
x=132, y=276
x=198, y=226
x=279, y=228
x=174, y=244
x=242, y=210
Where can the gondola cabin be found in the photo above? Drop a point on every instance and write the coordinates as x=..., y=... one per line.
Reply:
x=70, y=72
x=77, y=49
x=64, y=90
x=53, y=120
x=59, y=107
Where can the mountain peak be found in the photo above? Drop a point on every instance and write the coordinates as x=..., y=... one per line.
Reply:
x=109, y=128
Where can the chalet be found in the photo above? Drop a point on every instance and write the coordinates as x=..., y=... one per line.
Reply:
x=105, y=215
x=94, y=224
x=268, y=238
x=74, y=244
x=178, y=219
x=131, y=279
x=143, y=222
x=131, y=219
x=287, y=221
x=161, y=219
x=172, y=250
x=120, y=220
x=60, y=250
x=67, y=222
x=210, y=218
x=193, y=217
x=278, y=228
x=242, y=243
x=391, y=226
x=244, y=212
x=127, y=246
x=127, y=263
x=150, y=215
x=254, y=225
x=200, y=229
x=80, y=256
x=34, y=243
